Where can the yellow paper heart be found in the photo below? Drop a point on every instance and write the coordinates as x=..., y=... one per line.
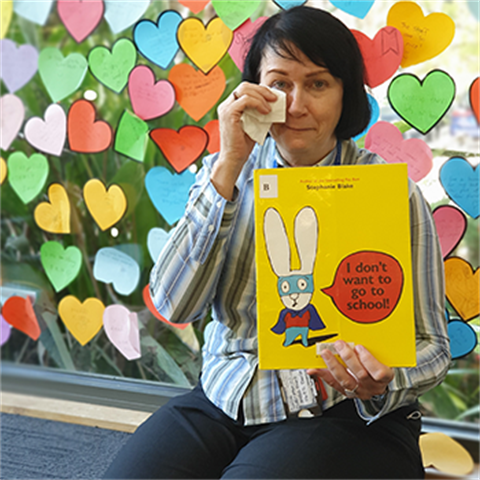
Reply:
x=204, y=46
x=423, y=37
x=54, y=217
x=3, y=170
x=83, y=320
x=6, y=9
x=107, y=207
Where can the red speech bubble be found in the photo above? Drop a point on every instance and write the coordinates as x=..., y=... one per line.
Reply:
x=367, y=286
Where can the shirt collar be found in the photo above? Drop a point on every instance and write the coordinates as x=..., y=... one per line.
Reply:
x=324, y=162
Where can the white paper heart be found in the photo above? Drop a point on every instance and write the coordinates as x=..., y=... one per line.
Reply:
x=121, y=15
x=12, y=113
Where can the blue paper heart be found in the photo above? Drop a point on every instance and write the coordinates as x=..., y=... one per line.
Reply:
x=36, y=11
x=169, y=193
x=158, y=42
x=121, y=15
x=463, y=338
x=156, y=240
x=461, y=181
x=375, y=114
x=357, y=8
x=475, y=9
x=286, y=4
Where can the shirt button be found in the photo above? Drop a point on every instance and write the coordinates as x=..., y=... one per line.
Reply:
x=210, y=228
x=219, y=204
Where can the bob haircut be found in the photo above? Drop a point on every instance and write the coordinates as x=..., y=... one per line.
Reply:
x=327, y=42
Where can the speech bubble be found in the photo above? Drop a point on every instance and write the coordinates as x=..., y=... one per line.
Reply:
x=367, y=286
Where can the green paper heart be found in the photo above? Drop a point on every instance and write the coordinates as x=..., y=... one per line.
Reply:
x=422, y=104
x=131, y=137
x=234, y=13
x=112, y=68
x=61, y=265
x=61, y=76
x=27, y=176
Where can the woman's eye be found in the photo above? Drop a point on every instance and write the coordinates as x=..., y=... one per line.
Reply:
x=318, y=84
x=279, y=84
x=285, y=287
x=302, y=284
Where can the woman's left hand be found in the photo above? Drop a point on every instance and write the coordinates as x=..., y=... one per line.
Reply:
x=362, y=377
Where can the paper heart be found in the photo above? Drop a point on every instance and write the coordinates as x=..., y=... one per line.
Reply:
x=374, y=115
x=475, y=11
x=462, y=287
x=19, y=65
x=83, y=320
x=422, y=103
x=61, y=76
x=27, y=176
x=37, y=11
x=286, y=4
x=80, y=17
x=169, y=192
x=196, y=93
x=195, y=6
x=49, y=135
x=149, y=99
x=3, y=170
x=18, y=312
x=463, y=339
x=451, y=225
x=118, y=268
x=181, y=148
x=425, y=37
x=213, y=130
x=158, y=42
x=387, y=141
x=234, y=13
x=112, y=68
x=131, y=136
x=355, y=8
x=121, y=327
x=12, y=113
x=204, y=45
x=85, y=134
x=54, y=216
x=61, y=265
x=147, y=299
x=461, y=182
x=242, y=37
x=5, y=331
x=6, y=10
x=121, y=15
x=381, y=56
x=474, y=97
x=156, y=240
x=107, y=207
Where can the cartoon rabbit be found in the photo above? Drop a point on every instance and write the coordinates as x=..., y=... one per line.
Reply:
x=294, y=286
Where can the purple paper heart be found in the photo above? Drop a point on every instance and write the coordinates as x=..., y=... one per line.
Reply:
x=19, y=65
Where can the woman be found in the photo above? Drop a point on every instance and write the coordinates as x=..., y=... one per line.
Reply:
x=234, y=423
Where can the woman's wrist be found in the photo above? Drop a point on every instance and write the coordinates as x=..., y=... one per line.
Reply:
x=224, y=176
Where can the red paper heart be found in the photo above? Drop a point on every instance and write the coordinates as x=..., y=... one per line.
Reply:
x=475, y=98
x=213, y=130
x=147, y=299
x=85, y=134
x=181, y=148
x=382, y=55
x=80, y=17
x=18, y=312
x=195, y=6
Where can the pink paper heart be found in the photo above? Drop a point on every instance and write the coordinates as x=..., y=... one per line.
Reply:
x=451, y=225
x=80, y=17
x=387, y=141
x=149, y=99
x=241, y=40
x=48, y=136
x=12, y=113
x=121, y=327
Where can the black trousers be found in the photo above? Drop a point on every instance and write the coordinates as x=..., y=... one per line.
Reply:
x=191, y=438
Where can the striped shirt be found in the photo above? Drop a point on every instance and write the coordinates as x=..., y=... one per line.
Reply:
x=209, y=263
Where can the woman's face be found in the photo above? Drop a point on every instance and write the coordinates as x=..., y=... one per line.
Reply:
x=314, y=106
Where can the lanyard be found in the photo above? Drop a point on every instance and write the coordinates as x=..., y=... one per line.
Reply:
x=336, y=162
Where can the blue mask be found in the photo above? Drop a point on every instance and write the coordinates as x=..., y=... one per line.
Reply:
x=295, y=284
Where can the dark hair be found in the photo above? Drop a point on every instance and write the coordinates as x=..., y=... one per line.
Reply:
x=327, y=42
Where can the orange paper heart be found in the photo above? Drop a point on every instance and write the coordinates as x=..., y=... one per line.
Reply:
x=18, y=312
x=195, y=6
x=196, y=92
x=462, y=287
x=83, y=320
x=474, y=95
x=212, y=128
x=107, y=207
x=147, y=299
x=54, y=217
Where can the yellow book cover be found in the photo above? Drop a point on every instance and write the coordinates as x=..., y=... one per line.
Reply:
x=333, y=262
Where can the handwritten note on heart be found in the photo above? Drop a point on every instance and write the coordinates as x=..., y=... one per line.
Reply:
x=461, y=182
x=12, y=113
x=451, y=225
x=131, y=136
x=61, y=265
x=18, y=312
x=147, y=299
x=83, y=320
x=61, y=76
x=234, y=13
x=462, y=286
x=213, y=130
x=374, y=115
x=424, y=37
x=37, y=11
x=27, y=176
x=19, y=65
x=6, y=10
x=121, y=15
x=474, y=97
x=49, y=135
x=195, y=6
x=355, y=8
x=54, y=216
x=3, y=170
x=79, y=17
x=181, y=148
x=422, y=103
x=85, y=133
x=158, y=42
x=121, y=327
x=387, y=141
x=204, y=46
x=168, y=192
x=5, y=331
x=196, y=93
x=156, y=240
x=107, y=207
x=463, y=338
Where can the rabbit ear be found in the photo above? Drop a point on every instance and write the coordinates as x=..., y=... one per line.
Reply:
x=276, y=241
x=306, y=236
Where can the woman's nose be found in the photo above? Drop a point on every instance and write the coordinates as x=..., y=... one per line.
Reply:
x=296, y=102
